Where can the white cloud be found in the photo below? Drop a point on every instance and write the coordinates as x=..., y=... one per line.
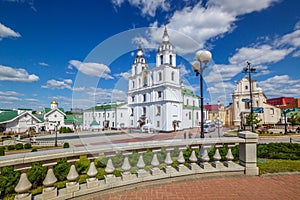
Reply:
x=7, y=32
x=91, y=69
x=55, y=84
x=241, y=7
x=220, y=73
x=32, y=100
x=124, y=75
x=43, y=64
x=11, y=93
x=16, y=74
x=292, y=39
x=280, y=84
x=259, y=55
x=183, y=70
x=147, y=7
x=6, y=98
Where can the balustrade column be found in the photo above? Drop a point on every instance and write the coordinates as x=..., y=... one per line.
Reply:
x=204, y=158
x=126, y=175
x=168, y=160
x=141, y=172
x=155, y=163
x=92, y=181
x=49, y=190
x=109, y=169
x=23, y=187
x=72, y=185
x=181, y=167
x=217, y=157
x=193, y=160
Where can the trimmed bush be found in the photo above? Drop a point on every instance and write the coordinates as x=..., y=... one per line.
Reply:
x=66, y=145
x=61, y=169
x=11, y=147
x=19, y=146
x=2, y=151
x=27, y=146
x=34, y=150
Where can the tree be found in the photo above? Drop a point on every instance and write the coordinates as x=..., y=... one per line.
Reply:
x=294, y=119
x=252, y=118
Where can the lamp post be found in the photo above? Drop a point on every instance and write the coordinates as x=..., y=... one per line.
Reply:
x=55, y=128
x=285, y=122
x=249, y=70
x=203, y=57
x=219, y=118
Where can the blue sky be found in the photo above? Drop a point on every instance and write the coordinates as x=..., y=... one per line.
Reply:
x=80, y=52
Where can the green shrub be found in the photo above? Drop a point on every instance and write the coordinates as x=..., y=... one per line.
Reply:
x=118, y=160
x=8, y=180
x=27, y=146
x=82, y=165
x=19, y=146
x=287, y=151
x=2, y=151
x=36, y=174
x=101, y=173
x=11, y=147
x=34, y=150
x=61, y=169
x=66, y=145
x=101, y=161
x=118, y=172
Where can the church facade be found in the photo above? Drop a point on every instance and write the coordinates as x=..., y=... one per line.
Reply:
x=156, y=96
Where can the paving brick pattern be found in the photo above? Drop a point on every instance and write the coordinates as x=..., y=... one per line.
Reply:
x=267, y=187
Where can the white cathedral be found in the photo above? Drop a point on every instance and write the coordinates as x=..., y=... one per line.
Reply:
x=155, y=97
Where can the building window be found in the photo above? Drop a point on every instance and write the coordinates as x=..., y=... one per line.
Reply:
x=158, y=109
x=54, y=116
x=99, y=115
x=190, y=115
x=131, y=122
x=172, y=76
x=157, y=124
x=132, y=111
x=247, y=105
x=132, y=84
x=159, y=76
x=272, y=111
x=161, y=59
x=246, y=87
x=113, y=115
x=159, y=94
x=187, y=102
x=193, y=102
x=107, y=114
x=145, y=97
x=144, y=110
x=121, y=115
x=171, y=59
x=104, y=114
x=132, y=98
x=197, y=115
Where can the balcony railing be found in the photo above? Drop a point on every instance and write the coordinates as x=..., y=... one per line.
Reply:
x=197, y=164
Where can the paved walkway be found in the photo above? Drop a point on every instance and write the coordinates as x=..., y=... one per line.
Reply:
x=285, y=186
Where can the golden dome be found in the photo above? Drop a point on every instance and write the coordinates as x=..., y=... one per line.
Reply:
x=54, y=102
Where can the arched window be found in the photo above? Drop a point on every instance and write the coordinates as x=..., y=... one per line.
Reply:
x=161, y=59
x=170, y=59
x=173, y=76
x=145, y=80
x=132, y=84
x=246, y=87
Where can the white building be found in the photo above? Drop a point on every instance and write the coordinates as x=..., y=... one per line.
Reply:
x=155, y=96
x=22, y=120
x=240, y=108
x=108, y=116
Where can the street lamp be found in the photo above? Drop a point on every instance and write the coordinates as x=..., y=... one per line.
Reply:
x=202, y=57
x=285, y=122
x=219, y=123
x=55, y=128
x=250, y=70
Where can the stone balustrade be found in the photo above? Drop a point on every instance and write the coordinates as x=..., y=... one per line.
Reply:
x=197, y=164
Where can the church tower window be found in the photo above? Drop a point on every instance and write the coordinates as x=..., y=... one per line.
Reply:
x=172, y=76
x=159, y=76
x=170, y=59
x=161, y=59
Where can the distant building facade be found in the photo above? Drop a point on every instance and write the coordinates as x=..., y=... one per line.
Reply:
x=284, y=102
x=240, y=107
x=49, y=120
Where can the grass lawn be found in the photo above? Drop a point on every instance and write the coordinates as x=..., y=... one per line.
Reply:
x=277, y=166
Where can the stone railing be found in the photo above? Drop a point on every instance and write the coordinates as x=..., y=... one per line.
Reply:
x=200, y=164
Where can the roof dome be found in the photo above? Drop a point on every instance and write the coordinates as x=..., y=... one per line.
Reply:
x=54, y=102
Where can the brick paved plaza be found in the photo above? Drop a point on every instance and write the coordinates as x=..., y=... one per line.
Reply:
x=284, y=186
